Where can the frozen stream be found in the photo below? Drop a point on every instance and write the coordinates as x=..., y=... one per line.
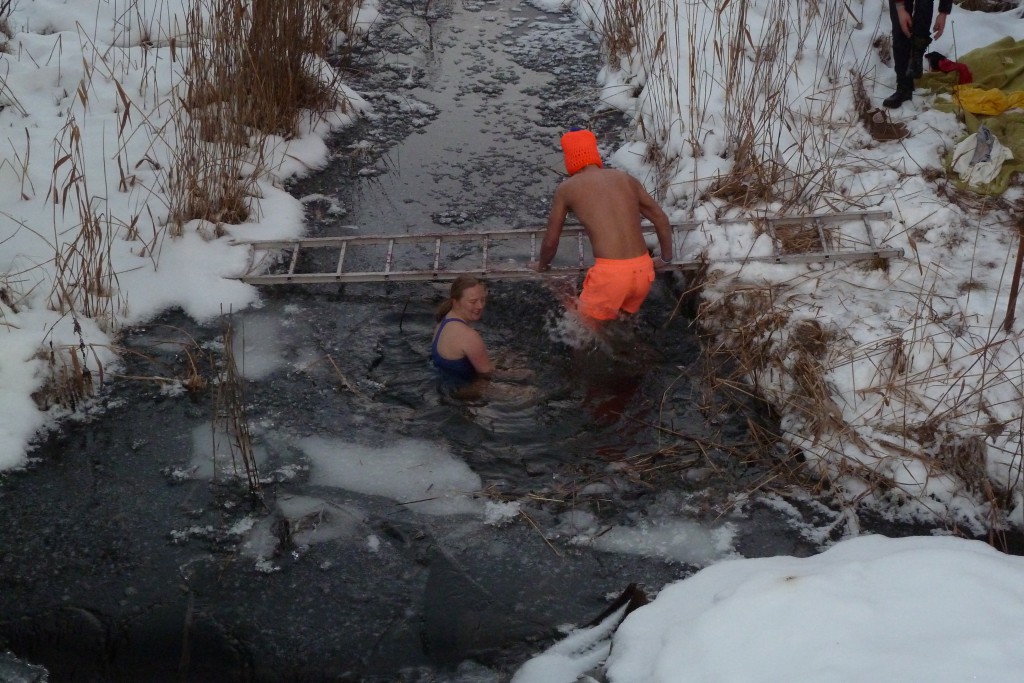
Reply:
x=402, y=536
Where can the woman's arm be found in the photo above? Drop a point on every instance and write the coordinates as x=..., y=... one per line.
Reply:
x=476, y=351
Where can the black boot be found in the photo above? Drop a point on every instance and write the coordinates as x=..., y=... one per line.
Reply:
x=895, y=100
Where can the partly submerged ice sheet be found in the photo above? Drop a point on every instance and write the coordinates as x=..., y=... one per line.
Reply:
x=308, y=521
x=421, y=475
x=673, y=539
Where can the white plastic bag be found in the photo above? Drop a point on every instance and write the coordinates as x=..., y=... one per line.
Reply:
x=978, y=159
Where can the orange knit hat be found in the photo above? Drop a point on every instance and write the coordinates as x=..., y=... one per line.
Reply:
x=580, y=149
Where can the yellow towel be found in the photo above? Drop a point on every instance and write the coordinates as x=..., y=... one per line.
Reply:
x=988, y=102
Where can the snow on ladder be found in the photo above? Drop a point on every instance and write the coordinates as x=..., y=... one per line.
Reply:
x=504, y=254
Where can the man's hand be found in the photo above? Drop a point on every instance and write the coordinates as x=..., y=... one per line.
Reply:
x=940, y=25
x=905, y=19
x=660, y=262
x=535, y=265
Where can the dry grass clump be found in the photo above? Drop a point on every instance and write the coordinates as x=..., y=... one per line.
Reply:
x=259, y=61
x=6, y=6
x=7, y=97
x=622, y=28
x=798, y=356
x=753, y=328
x=69, y=380
x=7, y=297
x=800, y=238
x=782, y=361
x=931, y=432
x=255, y=70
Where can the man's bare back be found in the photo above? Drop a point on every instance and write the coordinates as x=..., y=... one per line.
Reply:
x=610, y=204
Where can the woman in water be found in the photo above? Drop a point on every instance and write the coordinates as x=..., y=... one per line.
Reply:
x=458, y=350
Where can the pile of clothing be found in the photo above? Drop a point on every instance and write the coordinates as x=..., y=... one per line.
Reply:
x=986, y=87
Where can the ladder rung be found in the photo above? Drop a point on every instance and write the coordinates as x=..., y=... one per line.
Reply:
x=821, y=236
x=776, y=244
x=295, y=259
x=437, y=254
x=870, y=232
x=387, y=260
x=341, y=258
x=487, y=243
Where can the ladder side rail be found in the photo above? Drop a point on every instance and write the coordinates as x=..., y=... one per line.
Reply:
x=853, y=215
x=336, y=242
x=572, y=226
x=426, y=276
x=818, y=257
x=826, y=217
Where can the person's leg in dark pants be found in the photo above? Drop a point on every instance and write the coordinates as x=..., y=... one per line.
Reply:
x=908, y=51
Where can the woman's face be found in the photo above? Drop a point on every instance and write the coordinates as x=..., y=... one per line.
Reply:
x=471, y=303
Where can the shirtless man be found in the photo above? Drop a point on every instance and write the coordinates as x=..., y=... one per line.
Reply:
x=610, y=204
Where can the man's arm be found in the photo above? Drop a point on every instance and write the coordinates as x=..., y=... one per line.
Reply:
x=549, y=245
x=904, y=17
x=652, y=211
x=940, y=25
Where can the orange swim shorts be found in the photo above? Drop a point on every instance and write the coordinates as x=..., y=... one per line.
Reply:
x=614, y=285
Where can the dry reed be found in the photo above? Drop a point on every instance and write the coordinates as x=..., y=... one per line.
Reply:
x=85, y=282
x=775, y=141
x=230, y=417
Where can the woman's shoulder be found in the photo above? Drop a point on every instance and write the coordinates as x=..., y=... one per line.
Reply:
x=457, y=327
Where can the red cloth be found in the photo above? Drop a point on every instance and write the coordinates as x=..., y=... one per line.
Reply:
x=963, y=73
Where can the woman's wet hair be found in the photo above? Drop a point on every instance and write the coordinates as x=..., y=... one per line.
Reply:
x=458, y=288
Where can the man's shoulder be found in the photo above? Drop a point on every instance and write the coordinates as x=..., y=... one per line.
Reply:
x=599, y=173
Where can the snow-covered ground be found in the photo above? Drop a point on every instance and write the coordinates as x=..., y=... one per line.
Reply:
x=867, y=609
x=909, y=367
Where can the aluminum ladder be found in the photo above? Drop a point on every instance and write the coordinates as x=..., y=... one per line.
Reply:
x=504, y=254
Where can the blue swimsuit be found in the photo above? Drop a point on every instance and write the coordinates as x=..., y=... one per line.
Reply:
x=460, y=369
